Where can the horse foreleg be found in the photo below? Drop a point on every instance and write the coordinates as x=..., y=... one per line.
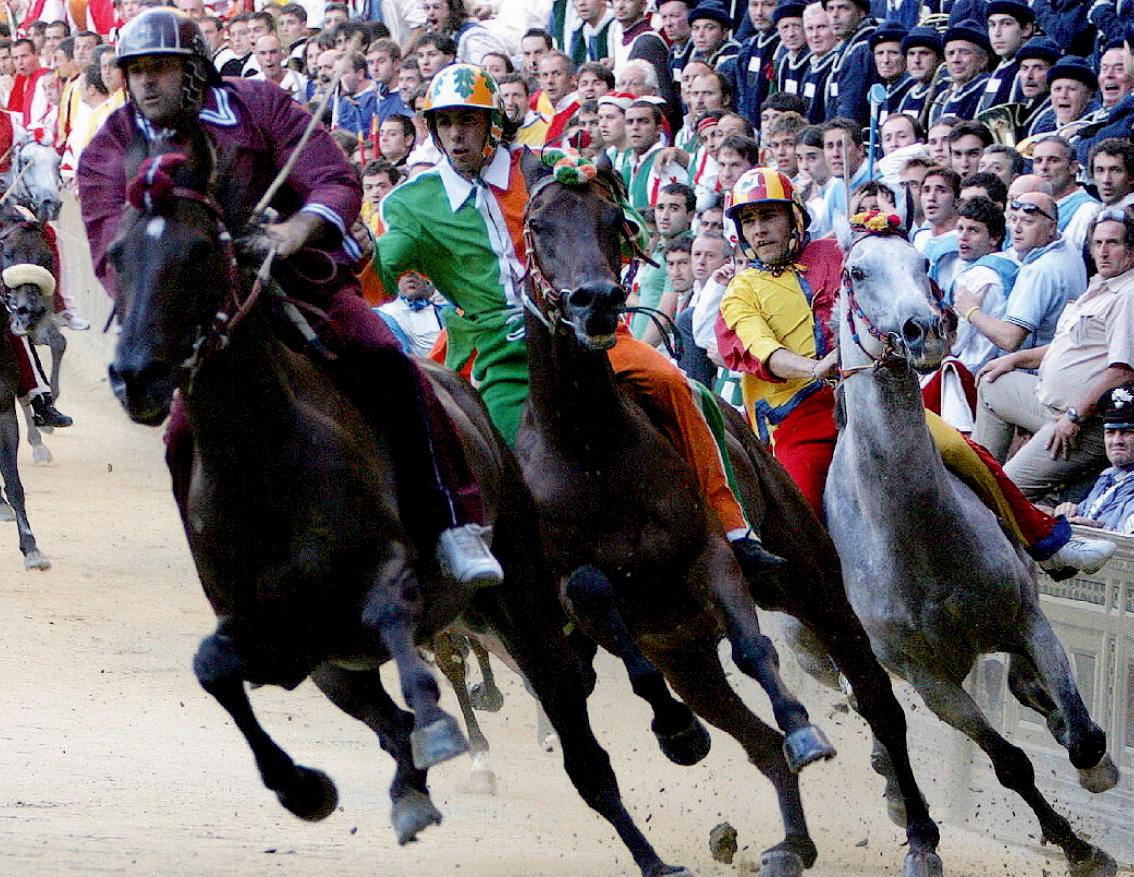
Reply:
x=452, y=664
x=698, y=678
x=681, y=736
x=756, y=657
x=390, y=612
x=835, y=628
x=528, y=622
x=1013, y=769
x=14, y=489
x=360, y=694
x=1071, y=726
x=57, y=344
x=41, y=455
x=485, y=695
x=221, y=669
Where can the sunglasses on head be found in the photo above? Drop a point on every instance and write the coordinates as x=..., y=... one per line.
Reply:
x=1028, y=208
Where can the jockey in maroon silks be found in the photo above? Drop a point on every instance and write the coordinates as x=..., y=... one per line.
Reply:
x=254, y=127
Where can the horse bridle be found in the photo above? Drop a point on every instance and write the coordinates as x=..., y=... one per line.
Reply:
x=890, y=341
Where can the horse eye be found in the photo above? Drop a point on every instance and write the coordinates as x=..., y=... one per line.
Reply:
x=857, y=274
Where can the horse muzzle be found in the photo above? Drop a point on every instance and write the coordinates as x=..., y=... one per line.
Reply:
x=26, y=308
x=47, y=210
x=594, y=309
x=145, y=391
x=924, y=340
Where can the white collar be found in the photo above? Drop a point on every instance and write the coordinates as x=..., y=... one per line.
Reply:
x=458, y=189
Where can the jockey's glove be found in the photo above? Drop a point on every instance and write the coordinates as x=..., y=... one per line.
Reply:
x=287, y=237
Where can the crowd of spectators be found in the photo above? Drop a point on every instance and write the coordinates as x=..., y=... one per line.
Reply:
x=1003, y=139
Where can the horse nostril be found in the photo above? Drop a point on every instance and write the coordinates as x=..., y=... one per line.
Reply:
x=581, y=297
x=913, y=331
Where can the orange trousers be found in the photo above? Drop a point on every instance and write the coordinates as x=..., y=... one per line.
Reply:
x=661, y=387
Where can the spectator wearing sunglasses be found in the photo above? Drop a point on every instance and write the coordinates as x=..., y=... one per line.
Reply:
x=1092, y=353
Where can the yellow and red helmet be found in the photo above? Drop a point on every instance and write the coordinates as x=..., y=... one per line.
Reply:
x=762, y=185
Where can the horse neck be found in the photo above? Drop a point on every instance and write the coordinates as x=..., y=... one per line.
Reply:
x=240, y=397
x=572, y=394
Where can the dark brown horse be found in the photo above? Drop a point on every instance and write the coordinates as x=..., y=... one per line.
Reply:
x=294, y=523
x=21, y=243
x=646, y=573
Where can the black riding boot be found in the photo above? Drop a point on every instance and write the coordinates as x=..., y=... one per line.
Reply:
x=44, y=412
x=752, y=556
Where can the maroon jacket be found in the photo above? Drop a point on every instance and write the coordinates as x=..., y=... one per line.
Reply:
x=254, y=126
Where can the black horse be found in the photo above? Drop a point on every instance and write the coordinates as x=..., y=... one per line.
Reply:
x=17, y=241
x=294, y=522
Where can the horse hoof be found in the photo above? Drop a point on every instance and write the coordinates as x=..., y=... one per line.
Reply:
x=438, y=741
x=34, y=559
x=46, y=430
x=41, y=456
x=668, y=871
x=486, y=699
x=312, y=797
x=411, y=814
x=780, y=863
x=687, y=746
x=923, y=864
x=549, y=742
x=1101, y=778
x=7, y=516
x=482, y=778
x=1098, y=864
x=806, y=745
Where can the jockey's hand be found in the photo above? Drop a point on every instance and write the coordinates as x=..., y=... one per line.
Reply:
x=1062, y=439
x=1067, y=509
x=363, y=238
x=990, y=371
x=288, y=237
x=827, y=365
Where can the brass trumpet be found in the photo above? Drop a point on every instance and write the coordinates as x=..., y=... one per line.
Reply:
x=1027, y=146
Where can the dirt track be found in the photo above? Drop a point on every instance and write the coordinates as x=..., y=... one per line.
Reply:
x=113, y=761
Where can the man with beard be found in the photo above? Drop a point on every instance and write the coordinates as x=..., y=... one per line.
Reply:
x=1111, y=164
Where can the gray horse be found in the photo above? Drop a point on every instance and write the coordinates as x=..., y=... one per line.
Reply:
x=932, y=606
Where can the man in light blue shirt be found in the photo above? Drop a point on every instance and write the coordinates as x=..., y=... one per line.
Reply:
x=841, y=137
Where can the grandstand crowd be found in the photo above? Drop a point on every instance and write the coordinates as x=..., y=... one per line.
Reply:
x=1001, y=132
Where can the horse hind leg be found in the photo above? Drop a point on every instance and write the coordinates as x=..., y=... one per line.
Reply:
x=14, y=490
x=360, y=694
x=681, y=735
x=452, y=664
x=56, y=342
x=1014, y=771
x=1028, y=688
x=390, y=610
x=221, y=668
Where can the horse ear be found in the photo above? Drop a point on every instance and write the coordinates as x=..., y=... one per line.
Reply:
x=841, y=226
x=532, y=168
x=603, y=163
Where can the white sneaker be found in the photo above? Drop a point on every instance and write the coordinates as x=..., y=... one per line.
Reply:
x=70, y=320
x=1085, y=555
x=463, y=554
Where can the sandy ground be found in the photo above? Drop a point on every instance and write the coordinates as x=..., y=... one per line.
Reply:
x=113, y=761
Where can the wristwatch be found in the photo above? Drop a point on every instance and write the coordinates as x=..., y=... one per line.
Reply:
x=1072, y=414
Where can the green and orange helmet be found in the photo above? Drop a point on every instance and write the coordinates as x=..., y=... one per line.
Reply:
x=761, y=185
x=466, y=86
